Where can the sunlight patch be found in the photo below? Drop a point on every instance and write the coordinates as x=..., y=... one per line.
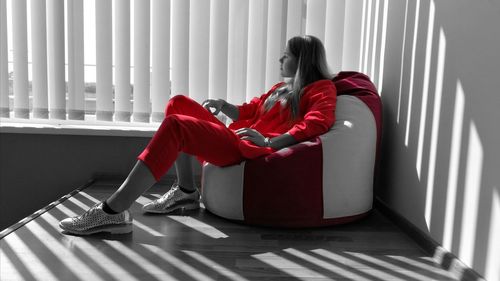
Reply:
x=326, y=265
x=199, y=226
x=215, y=266
x=456, y=143
x=473, y=177
x=492, y=269
x=140, y=261
x=289, y=267
x=178, y=263
x=68, y=258
x=425, y=90
x=28, y=258
x=436, y=118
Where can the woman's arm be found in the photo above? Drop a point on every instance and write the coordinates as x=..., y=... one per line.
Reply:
x=230, y=110
x=319, y=115
x=282, y=141
x=220, y=105
x=257, y=138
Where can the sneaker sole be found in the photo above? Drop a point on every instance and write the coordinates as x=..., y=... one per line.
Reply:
x=185, y=207
x=112, y=229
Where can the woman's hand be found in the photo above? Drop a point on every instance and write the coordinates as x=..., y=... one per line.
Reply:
x=253, y=136
x=215, y=104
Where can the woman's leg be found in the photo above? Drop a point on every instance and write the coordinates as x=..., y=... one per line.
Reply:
x=139, y=180
x=184, y=170
x=208, y=139
x=186, y=106
x=112, y=215
x=183, y=165
x=213, y=142
x=193, y=130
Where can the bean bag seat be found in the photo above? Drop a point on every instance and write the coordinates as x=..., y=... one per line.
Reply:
x=327, y=180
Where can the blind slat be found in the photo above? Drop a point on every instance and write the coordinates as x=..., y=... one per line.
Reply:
x=4, y=64
x=56, y=53
x=104, y=42
x=76, y=86
x=237, y=51
x=39, y=64
x=219, y=17
x=123, y=91
x=334, y=33
x=295, y=25
x=381, y=61
x=20, y=46
x=352, y=39
x=367, y=37
x=257, y=35
x=141, y=61
x=161, y=58
x=375, y=56
x=275, y=41
x=219, y=49
x=199, y=42
x=180, y=47
x=315, y=18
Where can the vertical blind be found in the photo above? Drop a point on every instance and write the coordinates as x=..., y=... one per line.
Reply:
x=148, y=50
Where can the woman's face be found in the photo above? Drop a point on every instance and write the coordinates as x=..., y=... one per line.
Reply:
x=288, y=64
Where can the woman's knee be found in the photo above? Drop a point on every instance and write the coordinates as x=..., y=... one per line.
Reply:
x=170, y=128
x=177, y=103
x=171, y=121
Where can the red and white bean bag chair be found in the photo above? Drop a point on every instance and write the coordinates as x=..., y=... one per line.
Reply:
x=325, y=181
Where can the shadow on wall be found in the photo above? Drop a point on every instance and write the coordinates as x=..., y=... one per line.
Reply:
x=437, y=66
x=44, y=167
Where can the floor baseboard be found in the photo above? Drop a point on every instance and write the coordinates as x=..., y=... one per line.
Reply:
x=36, y=214
x=441, y=256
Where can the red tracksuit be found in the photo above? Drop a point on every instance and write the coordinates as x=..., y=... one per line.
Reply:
x=190, y=128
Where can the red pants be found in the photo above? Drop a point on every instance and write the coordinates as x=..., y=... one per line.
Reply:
x=190, y=128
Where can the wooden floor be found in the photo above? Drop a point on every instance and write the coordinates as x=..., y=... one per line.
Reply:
x=201, y=246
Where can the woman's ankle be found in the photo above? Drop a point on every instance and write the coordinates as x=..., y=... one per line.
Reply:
x=107, y=209
x=187, y=188
x=115, y=205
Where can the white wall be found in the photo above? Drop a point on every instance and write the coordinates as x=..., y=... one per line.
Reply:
x=40, y=168
x=440, y=86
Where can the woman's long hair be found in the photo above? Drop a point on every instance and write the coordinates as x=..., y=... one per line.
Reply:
x=311, y=67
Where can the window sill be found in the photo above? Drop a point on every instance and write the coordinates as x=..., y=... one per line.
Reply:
x=75, y=127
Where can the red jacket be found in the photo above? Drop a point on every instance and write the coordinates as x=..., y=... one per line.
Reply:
x=316, y=116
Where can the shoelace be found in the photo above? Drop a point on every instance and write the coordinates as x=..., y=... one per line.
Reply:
x=86, y=214
x=167, y=196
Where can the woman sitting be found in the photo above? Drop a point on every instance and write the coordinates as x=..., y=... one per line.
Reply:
x=301, y=108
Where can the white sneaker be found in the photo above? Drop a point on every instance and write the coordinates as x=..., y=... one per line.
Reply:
x=96, y=220
x=173, y=200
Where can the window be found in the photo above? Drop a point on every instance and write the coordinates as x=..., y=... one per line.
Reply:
x=145, y=51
